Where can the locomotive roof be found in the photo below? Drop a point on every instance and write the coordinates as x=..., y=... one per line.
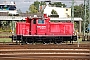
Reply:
x=37, y=17
x=66, y=19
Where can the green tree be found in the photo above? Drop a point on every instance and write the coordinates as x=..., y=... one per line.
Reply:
x=33, y=9
x=19, y=11
x=79, y=11
x=53, y=12
x=36, y=4
x=58, y=4
x=27, y=12
x=4, y=25
x=42, y=3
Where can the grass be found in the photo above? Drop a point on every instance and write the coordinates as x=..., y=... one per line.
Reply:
x=5, y=34
x=5, y=40
x=83, y=42
x=79, y=40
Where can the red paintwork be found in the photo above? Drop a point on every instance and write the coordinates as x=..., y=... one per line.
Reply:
x=61, y=28
x=33, y=29
x=41, y=29
x=22, y=28
x=48, y=28
x=27, y=20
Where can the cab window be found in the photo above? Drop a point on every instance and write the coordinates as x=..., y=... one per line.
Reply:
x=34, y=21
x=40, y=21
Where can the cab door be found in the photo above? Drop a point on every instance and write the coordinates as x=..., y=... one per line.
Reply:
x=33, y=27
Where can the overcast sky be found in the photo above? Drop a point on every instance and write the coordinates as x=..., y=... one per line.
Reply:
x=23, y=5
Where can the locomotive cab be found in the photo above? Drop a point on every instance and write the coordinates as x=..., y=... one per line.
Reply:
x=38, y=25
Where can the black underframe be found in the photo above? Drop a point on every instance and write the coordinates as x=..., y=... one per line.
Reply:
x=43, y=39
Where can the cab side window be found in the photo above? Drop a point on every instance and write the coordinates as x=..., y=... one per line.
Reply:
x=40, y=21
x=34, y=21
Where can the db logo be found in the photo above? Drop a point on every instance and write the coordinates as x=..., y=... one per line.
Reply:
x=41, y=27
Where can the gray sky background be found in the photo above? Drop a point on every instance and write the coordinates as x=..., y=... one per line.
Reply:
x=23, y=5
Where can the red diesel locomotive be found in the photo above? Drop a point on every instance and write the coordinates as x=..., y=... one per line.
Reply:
x=37, y=29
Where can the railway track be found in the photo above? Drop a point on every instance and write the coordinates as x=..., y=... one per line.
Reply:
x=48, y=46
x=6, y=51
x=45, y=52
x=47, y=58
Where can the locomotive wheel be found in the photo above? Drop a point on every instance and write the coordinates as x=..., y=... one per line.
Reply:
x=59, y=42
x=44, y=42
x=33, y=42
x=72, y=42
x=55, y=42
x=47, y=42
